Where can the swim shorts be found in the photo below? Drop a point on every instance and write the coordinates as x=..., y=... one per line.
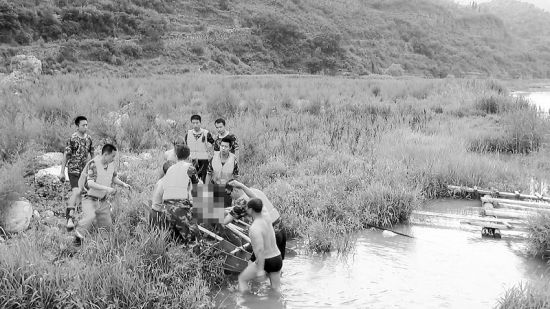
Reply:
x=274, y=264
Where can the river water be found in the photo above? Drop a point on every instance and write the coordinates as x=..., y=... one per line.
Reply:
x=541, y=99
x=440, y=267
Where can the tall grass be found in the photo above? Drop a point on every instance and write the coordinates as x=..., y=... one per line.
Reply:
x=334, y=155
x=130, y=267
x=526, y=296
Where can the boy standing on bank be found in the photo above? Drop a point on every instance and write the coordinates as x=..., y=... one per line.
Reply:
x=199, y=141
x=78, y=151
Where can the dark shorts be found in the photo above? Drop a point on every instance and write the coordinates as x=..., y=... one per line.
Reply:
x=274, y=264
x=280, y=239
x=73, y=179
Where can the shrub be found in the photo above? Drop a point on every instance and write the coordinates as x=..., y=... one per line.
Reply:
x=394, y=70
x=50, y=27
x=539, y=235
x=223, y=103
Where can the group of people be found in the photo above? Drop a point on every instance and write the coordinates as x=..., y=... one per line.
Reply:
x=198, y=157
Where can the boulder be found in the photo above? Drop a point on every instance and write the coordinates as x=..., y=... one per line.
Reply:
x=49, y=159
x=29, y=65
x=24, y=69
x=117, y=118
x=16, y=216
x=49, y=175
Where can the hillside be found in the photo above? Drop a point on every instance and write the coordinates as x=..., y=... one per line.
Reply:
x=421, y=37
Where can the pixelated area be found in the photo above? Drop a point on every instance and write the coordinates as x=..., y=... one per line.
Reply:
x=208, y=203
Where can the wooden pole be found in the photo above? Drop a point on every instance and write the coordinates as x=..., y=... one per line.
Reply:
x=516, y=194
x=235, y=230
x=508, y=213
x=467, y=218
x=210, y=233
x=498, y=201
x=524, y=208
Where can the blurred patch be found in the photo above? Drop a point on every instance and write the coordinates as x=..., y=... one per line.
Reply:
x=208, y=202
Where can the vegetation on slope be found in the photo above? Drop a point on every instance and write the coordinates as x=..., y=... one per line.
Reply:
x=425, y=37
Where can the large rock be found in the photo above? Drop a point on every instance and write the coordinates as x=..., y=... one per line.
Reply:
x=49, y=159
x=29, y=65
x=16, y=217
x=24, y=69
x=117, y=118
x=49, y=175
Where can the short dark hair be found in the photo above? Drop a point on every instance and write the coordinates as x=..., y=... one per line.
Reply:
x=220, y=120
x=78, y=119
x=179, y=141
x=196, y=117
x=108, y=149
x=255, y=204
x=182, y=151
x=167, y=165
x=228, y=186
x=227, y=139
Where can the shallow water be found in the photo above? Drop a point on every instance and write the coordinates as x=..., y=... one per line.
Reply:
x=541, y=99
x=439, y=268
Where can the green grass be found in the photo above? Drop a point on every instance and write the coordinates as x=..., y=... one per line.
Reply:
x=333, y=154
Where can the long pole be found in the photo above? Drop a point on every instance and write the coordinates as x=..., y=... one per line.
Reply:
x=516, y=194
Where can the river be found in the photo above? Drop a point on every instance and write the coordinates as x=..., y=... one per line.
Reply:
x=441, y=267
x=541, y=99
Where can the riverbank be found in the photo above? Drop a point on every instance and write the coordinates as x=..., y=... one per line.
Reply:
x=333, y=154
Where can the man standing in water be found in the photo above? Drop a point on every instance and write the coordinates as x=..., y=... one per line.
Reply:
x=78, y=151
x=268, y=257
x=198, y=139
x=241, y=194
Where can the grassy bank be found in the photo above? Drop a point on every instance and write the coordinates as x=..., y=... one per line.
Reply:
x=333, y=154
x=525, y=296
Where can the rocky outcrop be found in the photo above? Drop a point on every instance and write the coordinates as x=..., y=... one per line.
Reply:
x=16, y=216
x=24, y=68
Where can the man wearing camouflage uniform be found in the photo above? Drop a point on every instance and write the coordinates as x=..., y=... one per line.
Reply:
x=78, y=152
x=172, y=198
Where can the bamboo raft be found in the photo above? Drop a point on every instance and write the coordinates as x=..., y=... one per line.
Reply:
x=503, y=210
x=235, y=257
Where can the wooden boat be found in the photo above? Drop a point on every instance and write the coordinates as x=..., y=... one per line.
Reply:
x=236, y=258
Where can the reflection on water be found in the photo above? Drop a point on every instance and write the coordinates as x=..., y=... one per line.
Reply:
x=541, y=99
x=439, y=268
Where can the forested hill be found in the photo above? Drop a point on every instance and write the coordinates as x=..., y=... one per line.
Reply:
x=422, y=37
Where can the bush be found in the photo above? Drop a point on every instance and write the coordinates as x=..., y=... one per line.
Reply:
x=223, y=103
x=50, y=27
x=539, y=235
x=276, y=31
x=394, y=70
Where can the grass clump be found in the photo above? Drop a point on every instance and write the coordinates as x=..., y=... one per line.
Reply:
x=526, y=296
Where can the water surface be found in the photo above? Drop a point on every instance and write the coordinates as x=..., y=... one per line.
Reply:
x=439, y=268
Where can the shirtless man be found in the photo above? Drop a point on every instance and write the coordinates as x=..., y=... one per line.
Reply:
x=268, y=257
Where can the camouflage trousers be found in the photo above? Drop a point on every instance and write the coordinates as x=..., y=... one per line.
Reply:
x=182, y=220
